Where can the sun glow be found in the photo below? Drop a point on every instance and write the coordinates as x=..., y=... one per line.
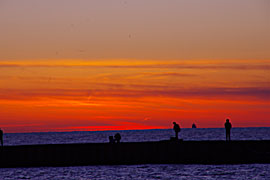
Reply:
x=132, y=94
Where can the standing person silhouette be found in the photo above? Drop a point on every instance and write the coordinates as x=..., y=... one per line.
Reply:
x=1, y=137
x=176, y=129
x=228, y=127
x=117, y=137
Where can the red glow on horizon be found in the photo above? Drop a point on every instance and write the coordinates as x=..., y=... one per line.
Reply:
x=111, y=95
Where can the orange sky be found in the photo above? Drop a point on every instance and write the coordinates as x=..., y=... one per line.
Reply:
x=58, y=95
x=133, y=64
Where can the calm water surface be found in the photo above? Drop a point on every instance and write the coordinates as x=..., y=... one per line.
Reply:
x=135, y=135
x=164, y=171
x=136, y=172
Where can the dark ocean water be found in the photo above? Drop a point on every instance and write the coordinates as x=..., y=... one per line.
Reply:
x=135, y=135
x=137, y=172
x=164, y=171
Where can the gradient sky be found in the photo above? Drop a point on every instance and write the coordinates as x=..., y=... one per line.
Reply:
x=100, y=65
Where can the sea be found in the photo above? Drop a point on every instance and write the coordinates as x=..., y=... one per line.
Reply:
x=136, y=172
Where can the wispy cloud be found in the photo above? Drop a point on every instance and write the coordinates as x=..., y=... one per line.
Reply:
x=167, y=74
x=78, y=94
x=109, y=94
x=195, y=64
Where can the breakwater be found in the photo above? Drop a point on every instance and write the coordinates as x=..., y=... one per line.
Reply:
x=162, y=152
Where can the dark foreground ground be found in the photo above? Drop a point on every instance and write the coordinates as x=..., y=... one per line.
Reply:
x=163, y=152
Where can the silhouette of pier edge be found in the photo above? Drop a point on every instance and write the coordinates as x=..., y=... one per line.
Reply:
x=173, y=151
x=161, y=152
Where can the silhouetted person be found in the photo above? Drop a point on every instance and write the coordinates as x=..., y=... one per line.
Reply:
x=194, y=125
x=117, y=137
x=1, y=137
x=228, y=127
x=111, y=140
x=176, y=129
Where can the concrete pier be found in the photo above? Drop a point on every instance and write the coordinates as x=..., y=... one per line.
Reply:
x=162, y=152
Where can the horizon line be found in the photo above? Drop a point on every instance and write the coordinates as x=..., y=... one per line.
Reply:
x=69, y=131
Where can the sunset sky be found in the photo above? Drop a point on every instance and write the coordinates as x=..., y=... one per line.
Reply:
x=72, y=65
